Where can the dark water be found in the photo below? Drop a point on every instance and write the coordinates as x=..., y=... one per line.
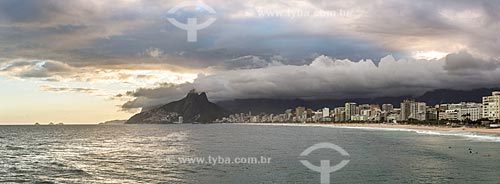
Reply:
x=147, y=154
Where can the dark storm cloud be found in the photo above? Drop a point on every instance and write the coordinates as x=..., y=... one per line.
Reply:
x=49, y=13
x=464, y=63
x=115, y=33
x=30, y=11
x=106, y=33
x=147, y=97
x=329, y=78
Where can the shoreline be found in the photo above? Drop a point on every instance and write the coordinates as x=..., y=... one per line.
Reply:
x=341, y=125
x=395, y=126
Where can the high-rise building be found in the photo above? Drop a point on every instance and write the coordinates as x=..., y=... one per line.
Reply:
x=463, y=110
x=350, y=110
x=413, y=110
x=374, y=110
x=405, y=109
x=432, y=113
x=491, y=106
x=472, y=111
x=309, y=113
x=299, y=111
x=418, y=110
x=326, y=112
x=339, y=114
x=288, y=114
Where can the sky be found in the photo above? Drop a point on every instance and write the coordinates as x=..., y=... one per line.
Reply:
x=88, y=61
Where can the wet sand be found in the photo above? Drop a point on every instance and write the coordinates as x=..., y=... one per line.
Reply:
x=416, y=127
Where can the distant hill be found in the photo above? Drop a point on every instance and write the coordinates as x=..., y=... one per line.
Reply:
x=194, y=108
x=455, y=96
x=280, y=105
x=113, y=122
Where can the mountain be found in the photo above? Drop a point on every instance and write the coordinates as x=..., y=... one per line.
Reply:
x=280, y=105
x=194, y=108
x=113, y=122
x=455, y=96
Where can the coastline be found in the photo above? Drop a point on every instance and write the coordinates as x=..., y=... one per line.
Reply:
x=395, y=126
x=424, y=127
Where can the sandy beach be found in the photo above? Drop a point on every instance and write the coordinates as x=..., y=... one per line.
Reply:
x=420, y=127
x=401, y=126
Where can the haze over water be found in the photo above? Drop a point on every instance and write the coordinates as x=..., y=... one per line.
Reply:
x=144, y=154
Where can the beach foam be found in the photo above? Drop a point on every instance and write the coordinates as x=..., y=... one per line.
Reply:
x=467, y=135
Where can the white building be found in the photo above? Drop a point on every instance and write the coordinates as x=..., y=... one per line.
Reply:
x=326, y=112
x=461, y=111
x=359, y=117
x=450, y=115
x=472, y=111
x=318, y=116
x=491, y=105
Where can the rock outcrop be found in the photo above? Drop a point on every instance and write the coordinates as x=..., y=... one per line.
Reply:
x=194, y=108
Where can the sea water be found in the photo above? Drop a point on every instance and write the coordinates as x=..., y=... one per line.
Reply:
x=158, y=154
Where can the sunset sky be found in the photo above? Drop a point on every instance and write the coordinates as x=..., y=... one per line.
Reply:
x=88, y=61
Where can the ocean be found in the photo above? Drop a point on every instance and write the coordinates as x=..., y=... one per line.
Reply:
x=241, y=153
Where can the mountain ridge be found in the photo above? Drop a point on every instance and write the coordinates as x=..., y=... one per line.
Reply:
x=194, y=108
x=268, y=105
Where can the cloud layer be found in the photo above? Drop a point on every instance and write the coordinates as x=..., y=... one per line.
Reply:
x=123, y=33
x=56, y=71
x=334, y=79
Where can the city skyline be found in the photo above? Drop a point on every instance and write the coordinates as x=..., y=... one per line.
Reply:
x=409, y=110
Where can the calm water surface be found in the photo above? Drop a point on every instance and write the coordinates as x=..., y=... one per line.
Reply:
x=147, y=154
